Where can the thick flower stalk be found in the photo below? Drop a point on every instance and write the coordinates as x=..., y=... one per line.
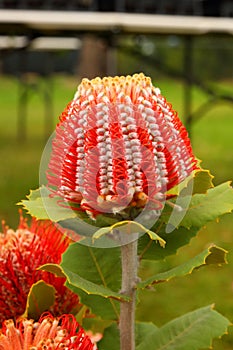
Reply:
x=21, y=253
x=119, y=144
x=48, y=333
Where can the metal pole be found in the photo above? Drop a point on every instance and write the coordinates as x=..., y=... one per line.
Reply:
x=188, y=74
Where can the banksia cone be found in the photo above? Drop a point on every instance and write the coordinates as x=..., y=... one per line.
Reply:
x=48, y=333
x=119, y=144
x=21, y=253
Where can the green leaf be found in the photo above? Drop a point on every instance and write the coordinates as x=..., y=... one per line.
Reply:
x=149, y=250
x=106, y=308
x=41, y=205
x=103, y=220
x=143, y=330
x=192, y=331
x=212, y=255
x=111, y=338
x=40, y=298
x=202, y=181
x=128, y=228
x=175, y=209
x=92, y=288
x=96, y=324
x=208, y=207
x=76, y=280
x=89, y=273
x=34, y=205
x=79, y=225
x=95, y=302
x=80, y=222
x=53, y=268
x=176, y=190
x=80, y=315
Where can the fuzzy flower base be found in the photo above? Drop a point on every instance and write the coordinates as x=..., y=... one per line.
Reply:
x=48, y=333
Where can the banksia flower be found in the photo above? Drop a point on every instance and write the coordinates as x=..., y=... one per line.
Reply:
x=119, y=144
x=48, y=333
x=21, y=253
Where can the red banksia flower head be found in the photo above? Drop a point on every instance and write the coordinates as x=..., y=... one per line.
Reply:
x=21, y=253
x=119, y=144
x=48, y=333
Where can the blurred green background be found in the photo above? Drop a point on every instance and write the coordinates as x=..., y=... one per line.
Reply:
x=212, y=140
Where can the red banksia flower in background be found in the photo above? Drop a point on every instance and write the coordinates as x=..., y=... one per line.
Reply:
x=48, y=333
x=118, y=144
x=21, y=253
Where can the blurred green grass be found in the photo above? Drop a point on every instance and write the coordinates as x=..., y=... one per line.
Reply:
x=212, y=141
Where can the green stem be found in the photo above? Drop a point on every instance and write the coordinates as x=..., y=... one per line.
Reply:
x=127, y=313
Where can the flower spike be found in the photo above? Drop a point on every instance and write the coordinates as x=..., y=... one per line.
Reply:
x=21, y=253
x=118, y=141
x=48, y=333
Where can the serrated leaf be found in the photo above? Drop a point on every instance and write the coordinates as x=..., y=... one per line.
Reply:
x=85, y=297
x=143, y=330
x=35, y=194
x=175, y=208
x=81, y=283
x=41, y=205
x=218, y=256
x=111, y=338
x=202, y=181
x=212, y=255
x=208, y=207
x=96, y=324
x=89, y=270
x=128, y=228
x=40, y=298
x=53, y=268
x=149, y=250
x=105, y=220
x=106, y=308
x=80, y=226
x=192, y=331
x=34, y=205
x=175, y=191
x=92, y=288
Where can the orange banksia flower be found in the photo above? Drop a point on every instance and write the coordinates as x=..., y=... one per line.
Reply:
x=48, y=333
x=21, y=253
x=118, y=144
